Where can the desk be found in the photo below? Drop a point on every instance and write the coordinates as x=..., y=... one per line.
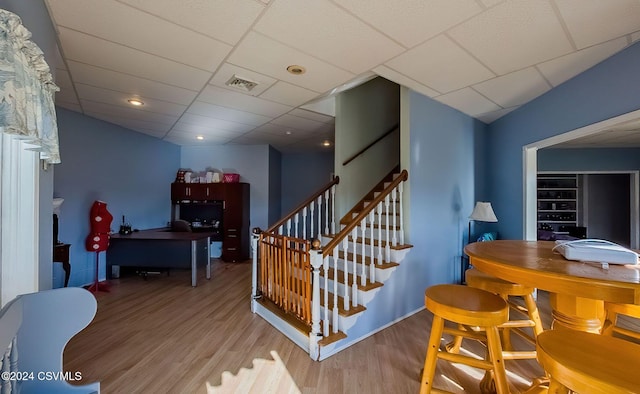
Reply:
x=161, y=248
x=577, y=289
x=61, y=254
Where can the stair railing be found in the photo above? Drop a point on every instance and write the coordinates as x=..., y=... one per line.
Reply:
x=343, y=248
x=317, y=210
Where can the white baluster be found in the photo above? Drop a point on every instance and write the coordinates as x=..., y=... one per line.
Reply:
x=296, y=220
x=315, y=335
x=326, y=212
x=387, y=249
x=363, y=229
x=312, y=209
x=335, y=288
x=280, y=230
x=354, y=281
x=372, y=265
x=304, y=223
x=400, y=190
x=380, y=232
x=333, y=209
x=345, y=248
x=319, y=216
x=289, y=228
x=325, y=327
x=393, y=198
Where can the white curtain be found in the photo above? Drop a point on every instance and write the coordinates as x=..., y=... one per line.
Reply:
x=26, y=89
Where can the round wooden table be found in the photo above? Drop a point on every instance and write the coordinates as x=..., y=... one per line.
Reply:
x=577, y=290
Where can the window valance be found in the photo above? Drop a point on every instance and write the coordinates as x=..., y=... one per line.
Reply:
x=27, y=107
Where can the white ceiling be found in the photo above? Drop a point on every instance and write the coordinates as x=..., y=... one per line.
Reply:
x=482, y=57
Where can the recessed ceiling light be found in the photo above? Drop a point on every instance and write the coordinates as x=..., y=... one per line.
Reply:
x=136, y=102
x=326, y=143
x=199, y=137
x=288, y=132
x=296, y=70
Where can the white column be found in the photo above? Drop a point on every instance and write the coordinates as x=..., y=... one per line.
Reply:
x=326, y=212
x=400, y=191
x=304, y=224
x=315, y=335
x=372, y=265
x=296, y=220
x=312, y=209
x=379, y=207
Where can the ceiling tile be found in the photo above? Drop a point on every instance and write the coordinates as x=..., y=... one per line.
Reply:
x=67, y=93
x=226, y=20
x=228, y=114
x=201, y=124
x=441, y=64
x=590, y=22
x=113, y=97
x=288, y=94
x=231, y=99
x=513, y=35
x=515, y=88
x=128, y=113
x=69, y=105
x=494, y=115
x=264, y=55
x=228, y=71
x=328, y=32
x=103, y=78
x=299, y=123
x=559, y=70
x=468, y=101
x=395, y=76
x=140, y=30
x=127, y=122
x=412, y=21
x=91, y=50
x=303, y=113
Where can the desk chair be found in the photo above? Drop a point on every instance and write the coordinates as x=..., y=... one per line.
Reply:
x=588, y=363
x=466, y=306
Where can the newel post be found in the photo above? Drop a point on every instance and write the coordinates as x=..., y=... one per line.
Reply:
x=316, y=334
x=255, y=237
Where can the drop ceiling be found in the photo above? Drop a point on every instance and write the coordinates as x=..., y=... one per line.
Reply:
x=482, y=57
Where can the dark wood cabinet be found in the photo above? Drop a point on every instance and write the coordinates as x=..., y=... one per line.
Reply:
x=227, y=203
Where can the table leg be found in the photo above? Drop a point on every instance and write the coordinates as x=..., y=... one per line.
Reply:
x=208, y=257
x=576, y=313
x=194, y=267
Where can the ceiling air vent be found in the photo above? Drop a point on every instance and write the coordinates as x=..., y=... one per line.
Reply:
x=237, y=82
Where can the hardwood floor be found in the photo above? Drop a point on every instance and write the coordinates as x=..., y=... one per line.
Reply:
x=163, y=336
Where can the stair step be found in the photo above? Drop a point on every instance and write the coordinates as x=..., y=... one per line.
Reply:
x=333, y=337
x=380, y=243
x=367, y=260
x=369, y=286
x=353, y=310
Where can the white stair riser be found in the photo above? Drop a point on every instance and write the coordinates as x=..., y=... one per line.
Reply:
x=381, y=274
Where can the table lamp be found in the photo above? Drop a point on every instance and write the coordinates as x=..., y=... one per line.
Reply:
x=482, y=212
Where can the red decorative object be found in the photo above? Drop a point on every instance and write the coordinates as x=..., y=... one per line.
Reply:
x=98, y=239
x=231, y=178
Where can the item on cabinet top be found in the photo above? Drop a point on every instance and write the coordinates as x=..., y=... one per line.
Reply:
x=125, y=228
x=187, y=176
x=180, y=176
x=231, y=178
x=208, y=177
x=216, y=177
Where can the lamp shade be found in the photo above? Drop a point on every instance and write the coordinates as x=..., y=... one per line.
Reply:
x=483, y=212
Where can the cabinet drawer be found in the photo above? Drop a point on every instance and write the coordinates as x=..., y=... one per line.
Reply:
x=231, y=242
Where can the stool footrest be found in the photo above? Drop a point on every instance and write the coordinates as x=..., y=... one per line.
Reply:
x=518, y=354
x=462, y=359
x=479, y=336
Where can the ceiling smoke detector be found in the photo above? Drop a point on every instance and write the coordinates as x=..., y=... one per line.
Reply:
x=237, y=82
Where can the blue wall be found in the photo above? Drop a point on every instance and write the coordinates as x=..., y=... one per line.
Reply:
x=275, y=181
x=606, y=90
x=303, y=174
x=589, y=159
x=130, y=171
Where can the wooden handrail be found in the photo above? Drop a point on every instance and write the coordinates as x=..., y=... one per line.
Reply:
x=306, y=202
x=328, y=248
x=394, y=128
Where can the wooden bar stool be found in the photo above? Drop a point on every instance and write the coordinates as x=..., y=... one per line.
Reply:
x=588, y=363
x=530, y=313
x=467, y=306
x=613, y=311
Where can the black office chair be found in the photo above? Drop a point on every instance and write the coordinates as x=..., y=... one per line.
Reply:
x=180, y=226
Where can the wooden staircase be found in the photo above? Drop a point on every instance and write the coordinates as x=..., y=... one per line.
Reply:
x=353, y=272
